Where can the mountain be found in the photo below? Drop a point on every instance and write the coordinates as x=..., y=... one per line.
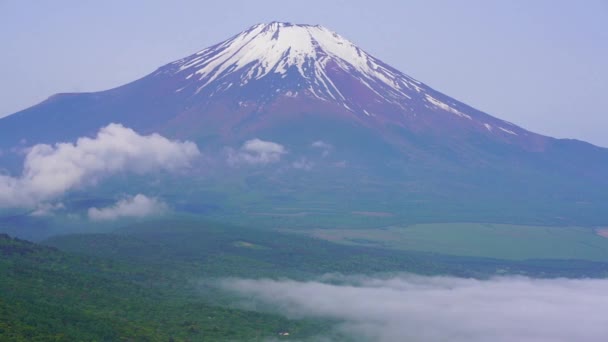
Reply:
x=408, y=147
x=252, y=81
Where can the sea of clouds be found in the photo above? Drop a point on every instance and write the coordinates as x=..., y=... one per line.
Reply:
x=420, y=308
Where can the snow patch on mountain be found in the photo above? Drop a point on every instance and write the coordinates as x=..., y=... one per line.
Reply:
x=508, y=131
x=446, y=107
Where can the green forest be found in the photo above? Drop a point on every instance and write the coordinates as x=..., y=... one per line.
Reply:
x=153, y=281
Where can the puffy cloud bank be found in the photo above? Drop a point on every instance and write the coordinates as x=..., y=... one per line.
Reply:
x=137, y=206
x=416, y=308
x=50, y=171
x=256, y=151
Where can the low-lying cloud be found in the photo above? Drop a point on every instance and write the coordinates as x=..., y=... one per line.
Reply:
x=416, y=308
x=256, y=152
x=50, y=171
x=138, y=206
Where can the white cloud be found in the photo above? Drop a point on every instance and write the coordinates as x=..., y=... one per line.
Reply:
x=47, y=209
x=323, y=146
x=256, y=151
x=137, y=206
x=50, y=171
x=416, y=308
x=303, y=164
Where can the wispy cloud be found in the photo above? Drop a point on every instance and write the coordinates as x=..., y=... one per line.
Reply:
x=323, y=146
x=416, y=308
x=47, y=209
x=256, y=151
x=50, y=171
x=303, y=164
x=137, y=206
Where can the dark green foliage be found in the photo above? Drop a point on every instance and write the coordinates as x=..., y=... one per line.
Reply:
x=47, y=295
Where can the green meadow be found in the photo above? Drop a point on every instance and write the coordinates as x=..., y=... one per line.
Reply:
x=500, y=241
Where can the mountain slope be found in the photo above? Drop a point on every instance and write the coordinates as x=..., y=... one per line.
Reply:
x=298, y=84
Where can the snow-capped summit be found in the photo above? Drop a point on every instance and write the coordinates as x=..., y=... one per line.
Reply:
x=277, y=73
x=270, y=62
x=313, y=53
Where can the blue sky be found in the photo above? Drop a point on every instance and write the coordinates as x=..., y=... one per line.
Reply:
x=541, y=64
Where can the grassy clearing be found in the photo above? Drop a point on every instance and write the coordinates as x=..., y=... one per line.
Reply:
x=502, y=241
x=245, y=244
